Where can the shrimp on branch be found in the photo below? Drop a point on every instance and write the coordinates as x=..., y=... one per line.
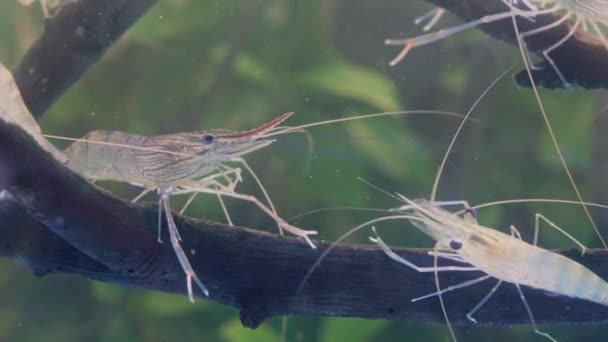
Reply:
x=189, y=163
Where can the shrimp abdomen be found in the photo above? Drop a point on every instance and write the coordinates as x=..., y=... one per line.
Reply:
x=96, y=161
x=556, y=273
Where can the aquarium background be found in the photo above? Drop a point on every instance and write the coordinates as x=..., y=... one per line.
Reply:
x=199, y=64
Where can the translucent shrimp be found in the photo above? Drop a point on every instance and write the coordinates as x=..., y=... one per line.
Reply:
x=335, y=243
x=187, y=163
x=501, y=256
x=478, y=248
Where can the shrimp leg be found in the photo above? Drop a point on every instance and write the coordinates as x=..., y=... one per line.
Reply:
x=288, y=227
x=600, y=34
x=449, y=256
x=177, y=248
x=260, y=185
x=538, y=217
x=482, y=302
x=538, y=332
x=429, y=38
x=453, y=287
x=433, y=16
x=212, y=180
x=550, y=49
x=386, y=249
x=141, y=194
x=515, y=232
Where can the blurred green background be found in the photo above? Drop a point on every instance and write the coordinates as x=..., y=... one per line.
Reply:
x=199, y=64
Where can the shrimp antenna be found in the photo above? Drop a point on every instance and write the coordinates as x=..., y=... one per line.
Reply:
x=379, y=189
x=464, y=120
x=320, y=210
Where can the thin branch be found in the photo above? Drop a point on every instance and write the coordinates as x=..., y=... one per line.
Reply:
x=72, y=41
x=93, y=234
x=582, y=59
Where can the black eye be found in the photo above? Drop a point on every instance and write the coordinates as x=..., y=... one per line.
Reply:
x=208, y=138
x=471, y=211
x=455, y=245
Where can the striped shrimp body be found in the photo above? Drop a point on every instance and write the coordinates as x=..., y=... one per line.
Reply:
x=183, y=163
x=505, y=257
x=173, y=158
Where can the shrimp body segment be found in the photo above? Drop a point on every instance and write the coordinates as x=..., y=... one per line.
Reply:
x=512, y=260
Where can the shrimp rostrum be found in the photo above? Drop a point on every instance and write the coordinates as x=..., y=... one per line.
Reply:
x=172, y=164
x=501, y=256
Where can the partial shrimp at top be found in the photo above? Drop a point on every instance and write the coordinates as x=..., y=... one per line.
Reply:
x=590, y=15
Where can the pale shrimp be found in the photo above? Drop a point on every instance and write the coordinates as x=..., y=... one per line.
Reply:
x=50, y=8
x=344, y=236
x=478, y=248
x=587, y=13
x=505, y=257
x=187, y=163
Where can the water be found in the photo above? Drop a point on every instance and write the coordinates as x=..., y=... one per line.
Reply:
x=191, y=65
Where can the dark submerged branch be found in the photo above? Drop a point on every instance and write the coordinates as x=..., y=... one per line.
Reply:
x=582, y=59
x=72, y=41
x=93, y=234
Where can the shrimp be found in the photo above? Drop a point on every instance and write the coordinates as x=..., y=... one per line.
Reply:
x=586, y=13
x=176, y=164
x=474, y=247
x=501, y=256
x=188, y=163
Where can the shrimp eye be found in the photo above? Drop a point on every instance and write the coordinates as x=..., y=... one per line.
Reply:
x=208, y=138
x=455, y=245
x=471, y=212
